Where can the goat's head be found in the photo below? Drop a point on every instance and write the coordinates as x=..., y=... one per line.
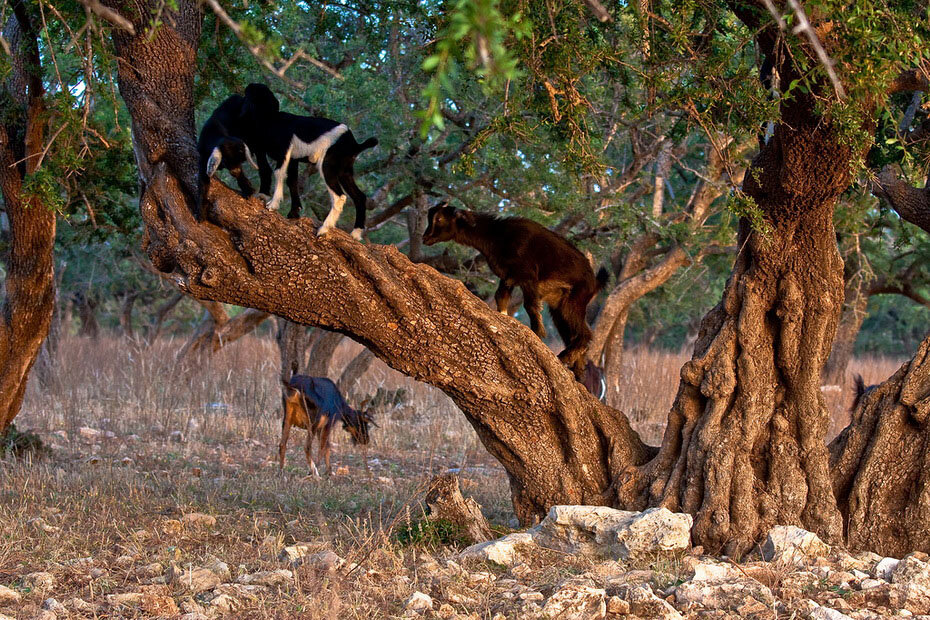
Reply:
x=231, y=153
x=444, y=222
x=260, y=103
x=356, y=424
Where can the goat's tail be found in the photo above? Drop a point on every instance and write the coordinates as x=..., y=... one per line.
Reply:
x=858, y=391
x=370, y=143
x=602, y=277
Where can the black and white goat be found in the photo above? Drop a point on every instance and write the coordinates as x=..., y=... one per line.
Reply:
x=221, y=146
x=289, y=139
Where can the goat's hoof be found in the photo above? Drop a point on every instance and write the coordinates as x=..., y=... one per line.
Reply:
x=323, y=230
x=357, y=234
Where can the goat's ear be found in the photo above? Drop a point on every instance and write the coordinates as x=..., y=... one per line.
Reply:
x=214, y=162
x=466, y=217
x=250, y=158
x=370, y=418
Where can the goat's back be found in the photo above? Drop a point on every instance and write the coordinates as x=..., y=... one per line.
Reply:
x=528, y=250
x=321, y=393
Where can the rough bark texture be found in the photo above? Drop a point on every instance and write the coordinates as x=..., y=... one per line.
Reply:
x=444, y=500
x=322, y=354
x=26, y=312
x=745, y=448
x=881, y=464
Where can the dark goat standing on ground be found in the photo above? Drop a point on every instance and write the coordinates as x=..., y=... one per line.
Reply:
x=221, y=146
x=289, y=139
x=545, y=266
x=860, y=390
x=315, y=404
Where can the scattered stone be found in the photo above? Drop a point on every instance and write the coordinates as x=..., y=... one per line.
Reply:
x=885, y=568
x=792, y=545
x=576, y=601
x=645, y=604
x=618, y=606
x=97, y=573
x=45, y=614
x=605, y=532
x=79, y=604
x=218, y=566
x=505, y=551
x=709, y=571
x=826, y=613
x=268, y=577
x=194, y=615
x=40, y=582
x=867, y=584
x=224, y=603
x=124, y=560
x=731, y=594
x=196, y=580
x=128, y=599
x=419, y=602
x=149, y=570
x=446, y=611
x=53, y=605
x=198, y=519
x=171, y=527
x=9, y=596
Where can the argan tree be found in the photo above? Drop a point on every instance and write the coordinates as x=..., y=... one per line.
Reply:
x=745, y=444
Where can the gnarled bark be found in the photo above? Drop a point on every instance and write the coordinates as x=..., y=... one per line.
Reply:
x=26, y=312
x=881, y=464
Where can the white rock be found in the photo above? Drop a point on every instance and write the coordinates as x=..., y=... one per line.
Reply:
x=710, y=571
x=505, y=551
x=827, y=613
x=792, y=545
x=885, y=568
x=8, y=596
x=268, y=577
x=419, y=602
x=868, y=584
x=645, y=604
x=722, y=594
x=53, y=605
x=576, y=601
x=618, y=534
x=224, y=603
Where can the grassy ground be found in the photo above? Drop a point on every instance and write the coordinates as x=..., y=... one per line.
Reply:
x=135, y=441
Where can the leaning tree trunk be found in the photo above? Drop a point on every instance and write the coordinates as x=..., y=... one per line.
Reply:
x=881, y=464
x=745, y=447
x=26, y=312
x=557, y=442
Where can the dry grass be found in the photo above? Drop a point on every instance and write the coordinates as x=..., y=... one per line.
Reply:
x=204, y=439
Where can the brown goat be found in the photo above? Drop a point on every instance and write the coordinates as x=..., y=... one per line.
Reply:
x=860, y=389
x=315, y=404
x=545, y=266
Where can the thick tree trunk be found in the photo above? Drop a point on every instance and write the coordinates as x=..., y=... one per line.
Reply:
x=881, y=464
x=293, y=340
x=87, y=312
x=125, y=314
x=26, y=312
x=354, y=371
x=153, y=329
x=321, y=355
x=745, y=448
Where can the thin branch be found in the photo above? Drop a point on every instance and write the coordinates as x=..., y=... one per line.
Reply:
x=109, y=15
x=804, y=26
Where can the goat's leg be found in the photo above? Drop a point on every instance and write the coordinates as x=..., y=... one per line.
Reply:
x=502, y=297
x=533, y=305
x=572, y=312
x=308, y=450
x=326, y=449
x=285, y=434
x=293, y=186
x=336, y=194
x=244, y=185
x=265, y=173
x=347, y=181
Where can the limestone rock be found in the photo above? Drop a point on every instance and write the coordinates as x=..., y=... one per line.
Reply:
x=419, y=602
x=198, y=519
x=9, y=597
x=605, y=532
x=196, y=580
x=732, y=594
x=53, y=605
x=504, y=551
x=645, y=604
x=792, y=545
x=40, y=582
x=884, y=568
x=576, y=601
x=269, y=578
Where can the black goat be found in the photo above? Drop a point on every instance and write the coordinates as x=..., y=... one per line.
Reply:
x=315, y=404
x=221, y=146
x=545, y=266
x=594, y=381
x=860, y=390
x=289, y=139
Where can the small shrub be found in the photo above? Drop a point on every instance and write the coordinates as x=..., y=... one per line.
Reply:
x=431, y=533
x=17, y=443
